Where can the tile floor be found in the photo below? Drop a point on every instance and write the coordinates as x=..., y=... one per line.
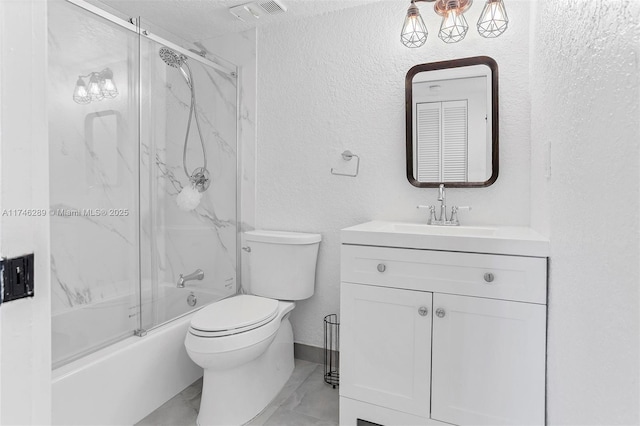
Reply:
x=304, y=400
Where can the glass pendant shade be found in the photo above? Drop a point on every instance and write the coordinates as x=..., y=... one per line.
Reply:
x=454, y=26
x=95, y=92
x=493, y=19
x=414, y=31
x=80, y=94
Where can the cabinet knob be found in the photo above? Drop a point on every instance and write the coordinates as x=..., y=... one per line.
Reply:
x=381, y=267
x=423, y=311
x=440, y=313
x=489, y=277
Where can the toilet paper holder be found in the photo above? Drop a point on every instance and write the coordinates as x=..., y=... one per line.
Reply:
x=347, y=156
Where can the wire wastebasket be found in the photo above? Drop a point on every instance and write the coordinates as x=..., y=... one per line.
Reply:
x=331, y=350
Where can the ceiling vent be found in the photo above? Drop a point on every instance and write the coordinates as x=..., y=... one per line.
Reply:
x=273, y=7
x=255, y=10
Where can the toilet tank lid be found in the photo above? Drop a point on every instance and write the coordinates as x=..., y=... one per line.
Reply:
x=282, y=237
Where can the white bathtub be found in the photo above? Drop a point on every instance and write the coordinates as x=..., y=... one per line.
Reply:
x=122, y=383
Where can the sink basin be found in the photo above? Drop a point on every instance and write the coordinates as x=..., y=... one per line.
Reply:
x=512, y=240
x=418, y=228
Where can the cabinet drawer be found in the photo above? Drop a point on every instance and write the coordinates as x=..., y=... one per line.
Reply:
x=494, y=276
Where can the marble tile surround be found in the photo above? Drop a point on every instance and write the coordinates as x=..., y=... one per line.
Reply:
x=103, y=259
x=304, y=400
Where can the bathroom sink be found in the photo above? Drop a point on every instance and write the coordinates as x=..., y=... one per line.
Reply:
x=474, y=239
x=418, y=228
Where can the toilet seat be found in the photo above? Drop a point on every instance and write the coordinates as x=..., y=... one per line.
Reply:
x=234, y=315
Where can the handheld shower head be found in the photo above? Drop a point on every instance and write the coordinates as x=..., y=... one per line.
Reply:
x=200, y=180
x=171, y=58
x=175, y=60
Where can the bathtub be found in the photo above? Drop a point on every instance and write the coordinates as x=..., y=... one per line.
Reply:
x=122, y=383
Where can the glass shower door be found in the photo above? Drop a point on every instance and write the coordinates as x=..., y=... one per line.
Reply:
x=175, y=241
x=94, y=168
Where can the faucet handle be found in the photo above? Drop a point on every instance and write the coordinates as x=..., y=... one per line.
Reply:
x=454, y=213
x=432, y=213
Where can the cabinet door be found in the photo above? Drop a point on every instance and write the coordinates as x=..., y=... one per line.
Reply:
x=385, y=347
x=488, y=361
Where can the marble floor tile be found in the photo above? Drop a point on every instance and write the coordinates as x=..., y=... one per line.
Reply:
x=304, y=400
x=284, y=417
x=315, y=398
x=175, y=412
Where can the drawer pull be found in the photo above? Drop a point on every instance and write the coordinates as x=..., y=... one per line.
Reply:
x=423, y=311
x=440, y=313
x=489, y=277
x=381, y=267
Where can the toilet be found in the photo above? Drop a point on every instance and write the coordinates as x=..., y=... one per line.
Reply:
x=245, y=343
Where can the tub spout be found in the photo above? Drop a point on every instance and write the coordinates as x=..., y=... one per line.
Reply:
x=198, y=274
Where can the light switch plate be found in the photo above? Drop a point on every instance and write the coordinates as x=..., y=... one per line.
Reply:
x=17, y=278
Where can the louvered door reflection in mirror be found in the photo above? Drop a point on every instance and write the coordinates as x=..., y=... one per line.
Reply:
x=452, y=123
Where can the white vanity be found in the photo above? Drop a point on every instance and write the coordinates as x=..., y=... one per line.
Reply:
x=442, y=325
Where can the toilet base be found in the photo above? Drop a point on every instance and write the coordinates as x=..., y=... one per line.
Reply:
x=235, y=396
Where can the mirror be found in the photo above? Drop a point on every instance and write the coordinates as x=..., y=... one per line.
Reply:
x=452, y=123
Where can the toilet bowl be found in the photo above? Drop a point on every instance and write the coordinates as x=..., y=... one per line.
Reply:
x=245, y=343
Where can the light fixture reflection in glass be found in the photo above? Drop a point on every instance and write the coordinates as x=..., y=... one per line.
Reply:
x=454, y=26
x=100, y=86
x=94, y=88
x=493, y=19
x=80, y=94
x=414, y=31
x=107, y=86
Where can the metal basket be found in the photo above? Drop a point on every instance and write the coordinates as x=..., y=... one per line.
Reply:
x=331, y=350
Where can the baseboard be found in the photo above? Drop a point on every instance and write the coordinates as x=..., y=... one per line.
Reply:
x=310, y=353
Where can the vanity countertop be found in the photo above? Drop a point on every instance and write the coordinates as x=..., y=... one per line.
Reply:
x=509, y=240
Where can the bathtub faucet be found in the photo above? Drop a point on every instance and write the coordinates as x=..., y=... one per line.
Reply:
x=195, y=275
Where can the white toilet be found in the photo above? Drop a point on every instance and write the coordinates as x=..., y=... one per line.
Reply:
x=245, y=343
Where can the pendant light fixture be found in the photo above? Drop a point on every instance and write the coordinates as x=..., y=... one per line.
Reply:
x=414, y=31
x=493, y=19
x=454, y=27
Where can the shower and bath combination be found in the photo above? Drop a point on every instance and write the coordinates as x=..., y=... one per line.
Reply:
x=199, y=180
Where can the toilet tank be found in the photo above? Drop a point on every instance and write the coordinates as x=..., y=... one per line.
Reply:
x=283, y=264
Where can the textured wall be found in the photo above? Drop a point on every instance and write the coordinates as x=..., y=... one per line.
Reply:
x=336, y=82
x=585, y=105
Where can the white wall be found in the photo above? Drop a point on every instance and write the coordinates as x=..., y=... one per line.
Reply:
x=25, y=325
x=585, y=105
x=336, y=82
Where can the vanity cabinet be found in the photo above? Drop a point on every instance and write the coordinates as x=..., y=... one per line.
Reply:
x=488, y=361
x=386, y=338
x=439, y=337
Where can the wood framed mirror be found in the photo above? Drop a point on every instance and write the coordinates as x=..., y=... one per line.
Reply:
x=452, y=123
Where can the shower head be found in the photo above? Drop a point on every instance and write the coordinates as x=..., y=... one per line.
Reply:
x=175, y=60
x=171, y=58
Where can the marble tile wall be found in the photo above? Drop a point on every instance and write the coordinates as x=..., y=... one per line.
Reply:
x=241, y=49
x=107, y=156
x=93, y=163
x=205, y=238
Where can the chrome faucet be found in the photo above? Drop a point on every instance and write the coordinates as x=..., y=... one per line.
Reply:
x=198, y=274
x=442, y=197
x=442, y=220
